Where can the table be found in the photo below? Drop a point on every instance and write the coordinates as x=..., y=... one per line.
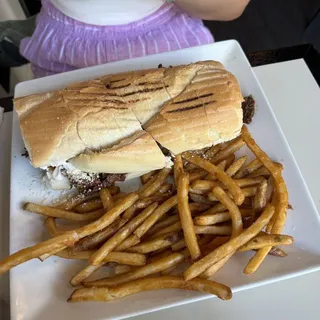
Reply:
x=287, y=81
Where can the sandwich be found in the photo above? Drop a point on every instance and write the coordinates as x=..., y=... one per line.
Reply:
x=91, y=134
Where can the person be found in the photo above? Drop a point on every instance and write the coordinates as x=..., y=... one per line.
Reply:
x=72, y=34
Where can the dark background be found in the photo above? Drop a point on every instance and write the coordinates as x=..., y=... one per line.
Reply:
x=266, y=24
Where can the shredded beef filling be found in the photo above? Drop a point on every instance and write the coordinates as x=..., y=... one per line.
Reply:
x=91, y=182
x=248, y=107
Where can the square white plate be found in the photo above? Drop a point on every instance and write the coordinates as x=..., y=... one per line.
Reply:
x=39, y=290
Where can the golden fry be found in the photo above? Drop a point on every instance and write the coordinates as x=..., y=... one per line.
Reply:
x=141, y=285
x=145, y=178
x=128, y=243
x=266, y=240
x=186, y=217
x=249, y=168
x=121, y=235
x=216, y=230
x=234, y=211
x=155, y=216
x=161, y=242
x=93, y=240
x=162, y=224
x=210, y=219
x=106, y=199
x=231, y=246
x=281, y=203
x=236, y=166
x=156, y=184
x=120, y=269
x=78, y=200
x=151, y=268
x=62, y=214
x=211, y=271
x=172, y=228
x=198, y=174
x=21, y=256
x=177, y=168
x=52, y=228
x=236, y=192
x=234, y=146
x=260, y=199
x=89, y=206
x=200, y=199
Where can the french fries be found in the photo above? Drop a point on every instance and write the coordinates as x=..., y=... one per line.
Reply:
x=231, y=246
x=149, y=269
x=62, y=214
x=121, y=235
x=185, y=216
x=236, y=192
x=281, y=197
x=164, y=282
x=106, y=199
x=265, y=241
x=216, y=206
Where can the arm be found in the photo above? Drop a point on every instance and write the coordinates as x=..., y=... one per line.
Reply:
x=223, y=10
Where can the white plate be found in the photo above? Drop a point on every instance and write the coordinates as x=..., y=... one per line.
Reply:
x=39, y=290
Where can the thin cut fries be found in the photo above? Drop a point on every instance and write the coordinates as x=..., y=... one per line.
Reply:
x=162, y=224
x=195, y=217
x=151, y=268
x=78, y=200
x=128, y=243
x=155, y=216
x=281, y=197
x=172, y=228
x=62, y=214
x=147, y=176
x=52, y=228
x=84, y=274
x=216, y=230
x=234, y=211
x=163, y=282
x=66, y=239
x=200, y=199
x=106, y=199
x=251, y=167
x=236, y=166
x=236, y=192
x=229, y=150
x=89, y=206
x=120, y=269
x=161, y=242
x=121, y=235
x=178, y=168
x=260, y=199
x=210, y=219
x=231, y=246
x=186, y=218
x=155, y=185
x=92, y=241
x=127, y=258
x=266, y=240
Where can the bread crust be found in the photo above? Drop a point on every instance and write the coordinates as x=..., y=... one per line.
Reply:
x=182, y=108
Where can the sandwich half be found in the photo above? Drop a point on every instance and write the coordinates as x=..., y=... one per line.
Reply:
x=94, y=133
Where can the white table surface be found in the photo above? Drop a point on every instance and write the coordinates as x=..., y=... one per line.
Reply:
x=295, y=99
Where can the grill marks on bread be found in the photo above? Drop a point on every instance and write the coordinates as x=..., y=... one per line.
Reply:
x=182, y=108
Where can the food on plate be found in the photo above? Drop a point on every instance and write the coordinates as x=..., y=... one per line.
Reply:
x=198, y=225
x=92, y=134
x=249, y=108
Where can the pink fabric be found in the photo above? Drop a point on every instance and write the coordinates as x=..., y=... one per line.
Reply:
x=61, y=43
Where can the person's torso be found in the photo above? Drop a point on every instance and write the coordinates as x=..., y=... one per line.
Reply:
x=107, y=12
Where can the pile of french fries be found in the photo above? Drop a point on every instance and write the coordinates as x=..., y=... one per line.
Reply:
x=174, y=232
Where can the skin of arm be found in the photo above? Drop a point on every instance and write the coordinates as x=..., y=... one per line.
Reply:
x=220, y=10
